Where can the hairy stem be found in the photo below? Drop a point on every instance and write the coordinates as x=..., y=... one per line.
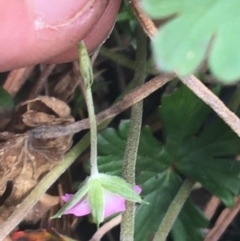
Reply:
x=127, y=226
x=93, y=132
x=27, y=204
x=173, y=210
x=87, y=74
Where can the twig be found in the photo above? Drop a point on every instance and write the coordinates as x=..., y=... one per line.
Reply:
x=132, y=98
x=41, y=81
x=16, y=79
x=106, y=227
x=146, y=23
x=213, y=101
x=223, y=221
x=211, y=207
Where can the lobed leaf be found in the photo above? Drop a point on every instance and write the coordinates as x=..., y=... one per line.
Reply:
x=197, y=149
x=198, y=28
x=159, y=183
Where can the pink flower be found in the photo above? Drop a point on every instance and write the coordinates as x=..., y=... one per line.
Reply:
x=112, y=204
x=101, y=195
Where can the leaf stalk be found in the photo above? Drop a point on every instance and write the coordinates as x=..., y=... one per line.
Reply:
x=130, y=156
x=174, y=210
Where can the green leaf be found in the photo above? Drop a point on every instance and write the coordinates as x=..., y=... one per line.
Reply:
x=159, y=185
x=190, y=218
x=6, y=103
x=153, y=174
x=219, y=176
x=181, y=123
x=165, y=186
x=183, y=42
x=201, y=157
x=199, y=149
x=194, y=218
x=216, y=140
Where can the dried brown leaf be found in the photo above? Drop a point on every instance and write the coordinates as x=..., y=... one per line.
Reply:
x=63, y=88
x=58, y=106
x=25, y=160
x=34, y=119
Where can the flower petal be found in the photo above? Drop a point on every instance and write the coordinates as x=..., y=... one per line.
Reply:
x=67, y=197
x=115, y=203
x=82, y=208
x=137, y=189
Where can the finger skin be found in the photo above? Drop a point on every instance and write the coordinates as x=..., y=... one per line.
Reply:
x=34, y=31
x=97, y=35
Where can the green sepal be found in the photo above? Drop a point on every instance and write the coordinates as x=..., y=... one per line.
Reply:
x=119, y=186
x=75, y=199
x=96, y=200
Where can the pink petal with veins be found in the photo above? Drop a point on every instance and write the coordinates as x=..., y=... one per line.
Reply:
x=113, y=204
x=80, y=209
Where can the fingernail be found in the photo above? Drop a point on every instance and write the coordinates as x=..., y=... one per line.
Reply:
x=57, y=13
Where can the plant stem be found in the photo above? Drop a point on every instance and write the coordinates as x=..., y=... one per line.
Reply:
x=93, y=131
x=27, y=204
x=173, y=210
x=85, y=66
x=130, y=156
x=120, y=59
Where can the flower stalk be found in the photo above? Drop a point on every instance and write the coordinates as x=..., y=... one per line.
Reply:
x=174, y=210
x=87, y=74
x=101, y=195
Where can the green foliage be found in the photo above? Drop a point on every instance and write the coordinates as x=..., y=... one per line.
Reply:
x=126, y=13
x=202, y=158
x=195, y=25
x=203, y=152
x=6, y=103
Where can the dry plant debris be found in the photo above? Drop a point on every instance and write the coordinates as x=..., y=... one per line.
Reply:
x=25, y=160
